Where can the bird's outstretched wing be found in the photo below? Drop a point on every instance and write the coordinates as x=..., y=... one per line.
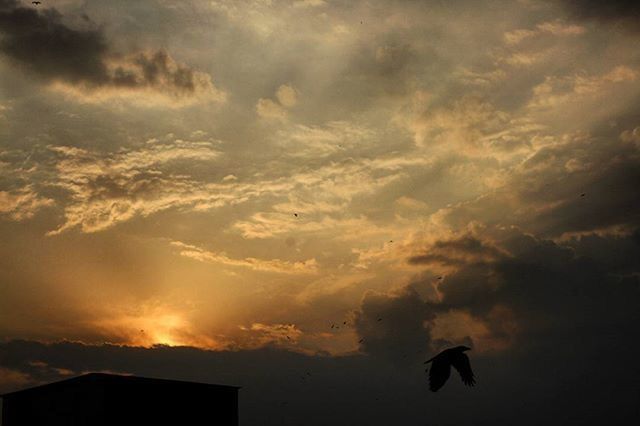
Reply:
x=460, y=362
x=439, y=373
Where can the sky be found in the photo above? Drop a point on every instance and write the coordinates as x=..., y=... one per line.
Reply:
x=308, y=198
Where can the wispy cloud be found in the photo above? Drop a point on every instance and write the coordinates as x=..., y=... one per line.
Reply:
x=23, y=203
x=308, y=266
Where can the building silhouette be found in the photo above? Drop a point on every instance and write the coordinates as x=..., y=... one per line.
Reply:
x=98, y=399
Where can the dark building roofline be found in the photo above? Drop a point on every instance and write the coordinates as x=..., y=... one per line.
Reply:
x=114, y=378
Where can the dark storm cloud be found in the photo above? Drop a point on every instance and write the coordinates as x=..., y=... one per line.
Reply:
x=520, y=288
x=392, y=325
x=558, y=295
x=627, y=11
x=41, y=43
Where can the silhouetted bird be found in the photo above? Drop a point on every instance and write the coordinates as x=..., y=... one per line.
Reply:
x=441, y=367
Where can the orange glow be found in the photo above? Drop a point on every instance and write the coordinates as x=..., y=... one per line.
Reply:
x=154, y=326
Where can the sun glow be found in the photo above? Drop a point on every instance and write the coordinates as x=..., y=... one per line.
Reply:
x=154, y=326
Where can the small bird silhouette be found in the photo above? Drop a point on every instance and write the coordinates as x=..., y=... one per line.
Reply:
x=441, y=367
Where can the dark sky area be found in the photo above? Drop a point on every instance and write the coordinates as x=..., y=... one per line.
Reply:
x=310, y=198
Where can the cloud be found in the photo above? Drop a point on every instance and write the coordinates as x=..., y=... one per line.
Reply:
x=615, y=11
x=309, y=3
x=463, y=250
x=287, y=95
x=393, y=325
x=259, y=335
x=286, y=98
x=103, y=189
x=12, y=379
x=500, y=294
x=22, y=204
x=308, y=266
x=334, y=137
x=44, y=45
x=82, y=63
x=266, y=108
x=556, y=28
x=545, y=287
x=555, y=91
x=106, y=190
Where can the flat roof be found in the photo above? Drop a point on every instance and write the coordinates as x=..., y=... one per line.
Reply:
x=104, y=378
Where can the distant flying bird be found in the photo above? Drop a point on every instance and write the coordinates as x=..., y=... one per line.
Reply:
x=441, y=367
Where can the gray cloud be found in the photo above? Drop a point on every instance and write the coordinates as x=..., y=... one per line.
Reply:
x=552, y=289
x=457, y=251
x=43, y=44
x=392, y=325
x=626, y=11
